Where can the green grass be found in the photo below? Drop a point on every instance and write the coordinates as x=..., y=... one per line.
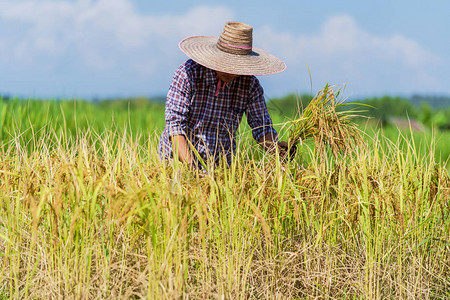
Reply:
x=439, y=140
x=89, y=211
x=34, y=118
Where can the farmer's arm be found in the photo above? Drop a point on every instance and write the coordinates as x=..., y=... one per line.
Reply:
x=177, y=108
x=259, y=120
x=181, y=149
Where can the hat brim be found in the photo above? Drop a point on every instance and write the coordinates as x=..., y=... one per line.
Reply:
x=203, y=50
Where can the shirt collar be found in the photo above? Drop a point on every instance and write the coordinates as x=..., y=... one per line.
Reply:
x=212, y=79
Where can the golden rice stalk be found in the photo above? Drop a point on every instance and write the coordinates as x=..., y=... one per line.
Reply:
x=329, y=128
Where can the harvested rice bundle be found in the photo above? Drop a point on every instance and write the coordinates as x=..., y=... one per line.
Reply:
x=330, y=128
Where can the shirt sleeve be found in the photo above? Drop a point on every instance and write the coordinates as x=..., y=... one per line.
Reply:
x=258, y=117
x=178, y=103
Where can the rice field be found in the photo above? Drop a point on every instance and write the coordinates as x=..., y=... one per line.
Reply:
x=89, y=211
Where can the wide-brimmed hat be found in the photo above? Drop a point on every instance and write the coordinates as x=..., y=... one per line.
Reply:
x=232, y=52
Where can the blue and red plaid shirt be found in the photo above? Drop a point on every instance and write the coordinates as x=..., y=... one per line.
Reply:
x=208, y=111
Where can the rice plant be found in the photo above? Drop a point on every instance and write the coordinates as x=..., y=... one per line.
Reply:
x=330, y=128
x=96, y=214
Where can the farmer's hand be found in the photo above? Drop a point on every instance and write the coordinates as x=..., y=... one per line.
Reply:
x=182, y=151
x=270, y=143
x=283, y=148
x=286, y=151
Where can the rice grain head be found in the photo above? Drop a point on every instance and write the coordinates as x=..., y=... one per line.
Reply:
x=330, y=128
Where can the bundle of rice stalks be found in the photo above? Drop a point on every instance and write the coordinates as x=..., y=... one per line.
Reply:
x=330, y=129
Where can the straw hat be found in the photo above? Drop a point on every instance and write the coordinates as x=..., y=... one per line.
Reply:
x=232, y=52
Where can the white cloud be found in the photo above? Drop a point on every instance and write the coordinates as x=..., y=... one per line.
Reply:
x=341, y=36
x=343, y=51
x=112, y=37
x=102, y=32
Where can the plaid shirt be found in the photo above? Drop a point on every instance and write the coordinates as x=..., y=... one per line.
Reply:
x=208, y=111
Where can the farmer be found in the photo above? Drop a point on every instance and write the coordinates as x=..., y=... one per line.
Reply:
x=211, y=91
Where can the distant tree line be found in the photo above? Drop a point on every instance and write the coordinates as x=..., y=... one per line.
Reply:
x=434, y=102
x=430, y=111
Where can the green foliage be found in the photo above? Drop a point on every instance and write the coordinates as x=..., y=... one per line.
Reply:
x=428, y=114
x=436, y=102
x=439, y=118
x=33, y=117
x=435, y=113
x=389, y=106
x=289, y=106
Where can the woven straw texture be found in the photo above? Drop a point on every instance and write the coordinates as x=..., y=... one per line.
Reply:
x=232, y=52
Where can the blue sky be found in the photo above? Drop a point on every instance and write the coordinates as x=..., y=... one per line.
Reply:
x=109, y=48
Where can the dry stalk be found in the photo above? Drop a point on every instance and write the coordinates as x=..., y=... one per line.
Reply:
x=330, y=128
